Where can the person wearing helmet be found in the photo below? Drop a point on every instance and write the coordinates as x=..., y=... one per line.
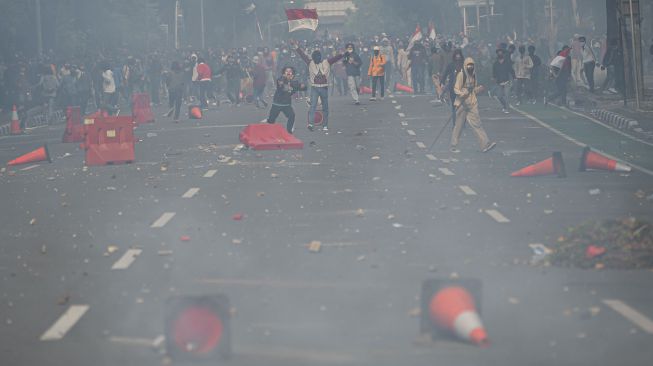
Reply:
x=376, y=71
x=466, y=105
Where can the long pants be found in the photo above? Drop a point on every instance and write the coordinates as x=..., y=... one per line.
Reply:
x=388, y=74
x=323, y=93
x=233, y=91
x=353, y=82
x=417, y=75
x=588, y=67
x=561, y=90
x=205, y=86
x=155, y=85
x=522, y=88
x=500, y=92
x=576, y=66
x=469, y=114
x=341, y=86
x=83, y=99
x=175, y=97
x=287, y=111
x=381, y=80
x=609, y=80
x=258, y=95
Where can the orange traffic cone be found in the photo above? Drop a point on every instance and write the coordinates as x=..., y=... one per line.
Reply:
x=453, y=308
x=552, y=165
x=592, y=160
x=40, y=154
x=403, y=88
x=194, y=112
x=15, y=122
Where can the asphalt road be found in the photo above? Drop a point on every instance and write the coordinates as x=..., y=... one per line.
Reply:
x=389, y=215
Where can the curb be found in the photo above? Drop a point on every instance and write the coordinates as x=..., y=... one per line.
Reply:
x=614, y=119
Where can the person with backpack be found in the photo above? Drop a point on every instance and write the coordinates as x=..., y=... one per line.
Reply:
x=282, y=100
x=318, y=75
x=376, y=71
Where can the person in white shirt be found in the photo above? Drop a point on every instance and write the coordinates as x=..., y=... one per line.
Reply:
x=108, y=89
x=589, y=62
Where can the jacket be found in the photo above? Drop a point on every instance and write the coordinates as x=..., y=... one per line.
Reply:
x=352, y=64
x=465, y=87
x=523, y=66
x=502, y=71
x=377, y=66
x=319, y=73
x=203, y=72
x=285, y=89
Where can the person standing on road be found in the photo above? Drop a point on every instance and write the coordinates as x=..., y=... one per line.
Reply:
x=523, y=66
x=110, y=99
x=259, y=75
x=204, y=80
x=376, y=71
x=318, y=76
x=233, y=72
x=49, y=85
x=84, y=88
x=353, y=64
x=466, y=105
x=282, y=102
x=589, y=62
x=176, y=83
x=436, y=65
x=502, y=73
x=388, y=51
x=612, y=61
x=536, y=74
x=561, y=67
x=449, y=77
x=418, y=58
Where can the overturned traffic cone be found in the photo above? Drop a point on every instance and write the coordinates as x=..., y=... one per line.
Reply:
x=194, y=112
x=403, y=88
x=449, y=308
x=552, y=165
x=40, y=154
x=197, y=328
x=15, y=122
x=593, y=160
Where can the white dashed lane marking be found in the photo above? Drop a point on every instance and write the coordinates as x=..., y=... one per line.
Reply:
x=401, y=115
x=68, y=320
x=467, y=190
x=190, y=193
x=127, y=259
x=637, y=318
x=420, y=145
x=431, y=157
x=404, y=123
x=497, y=216
x=446, y=171
x=210, y=173
x=394, y=101
x=410, y=132
x=398, y=107
x=163, y=220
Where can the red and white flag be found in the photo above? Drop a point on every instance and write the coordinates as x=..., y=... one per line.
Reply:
x=301, y=19
x=432, y=34
x=417, y=36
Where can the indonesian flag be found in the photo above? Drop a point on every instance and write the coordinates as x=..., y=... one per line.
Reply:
x=301, y=19
x=432, y=34
x=417, y=36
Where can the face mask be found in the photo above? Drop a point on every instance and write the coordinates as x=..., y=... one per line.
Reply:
x=470, y=70
x=376, y=53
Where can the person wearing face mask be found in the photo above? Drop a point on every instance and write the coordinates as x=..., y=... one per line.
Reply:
x=352, y=62
x=282, y=102
x=502, y=73
x=318, y=76
x=376, y=71
x=466, y=89
x=589, y=62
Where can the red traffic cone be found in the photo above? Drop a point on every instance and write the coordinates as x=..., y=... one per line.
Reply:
x=453, y=308
x=366, y=90
x=40, y=154
x=552, y=165
x=404, y=88
x=194, y=112
x=15, y=122
x=593, y=160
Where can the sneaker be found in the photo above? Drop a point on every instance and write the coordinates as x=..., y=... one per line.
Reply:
x=311, y=127
x=489, y=147
x=505, y=111
x=372, y=99
x=454, y=150
x=357, y=103
x=325, y=129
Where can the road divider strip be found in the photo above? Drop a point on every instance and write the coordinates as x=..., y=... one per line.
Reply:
x=127, y=259
x=190, y=193
x=431, y=157
x=446, y=171
x=497, y=216
x=163, y=220
x=467, y=190
x=401, y=115
x=420, y=145
x=410, y=132
x=65, y=322
x=210, y=173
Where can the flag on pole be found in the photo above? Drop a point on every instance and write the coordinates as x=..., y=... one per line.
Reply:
x=301, y=19
x=432, y=34
x=417, y=36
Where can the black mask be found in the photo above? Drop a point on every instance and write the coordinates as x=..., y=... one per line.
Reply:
x=376, y=53
x=317, y=57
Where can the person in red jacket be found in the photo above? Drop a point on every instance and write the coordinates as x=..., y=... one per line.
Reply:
x=204, y=77
x=260, y=79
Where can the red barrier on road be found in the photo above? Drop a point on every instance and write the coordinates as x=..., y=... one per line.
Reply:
x=404, y=88
x=109, y=140
x=266, y=136
x=74, y=128
x=141, y=110
x=366, y=90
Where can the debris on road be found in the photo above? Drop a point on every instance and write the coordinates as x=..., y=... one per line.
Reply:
x=594, y=192
x=164, y=252
x=615, y=244
x=315, y=246
x=238, y=216
x=360, y=212
x=184, y=238
x=540, y=252
x=32, y=221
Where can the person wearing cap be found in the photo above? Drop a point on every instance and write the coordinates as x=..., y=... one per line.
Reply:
x=376, y=71
x=466, y=89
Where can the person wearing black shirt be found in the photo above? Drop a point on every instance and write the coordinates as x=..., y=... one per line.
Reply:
x=502, y=73
x=418, y=61
x=282, y=101
x=352, y=62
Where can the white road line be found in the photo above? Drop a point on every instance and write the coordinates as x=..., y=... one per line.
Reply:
x=631, y=314
x=190, y=193
x=394, y=102
x=404, y=123
x=210, y=173
x=446, y=171
x=127, y=259
x=420, y=145
x=467, y=190
x=68, y=320
x=573, y=140
x=410, y=132
x=163, y=220
x=30, y=167
x=401, y=115
x=398, y=107
x=431, y=157
x=497, y=216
